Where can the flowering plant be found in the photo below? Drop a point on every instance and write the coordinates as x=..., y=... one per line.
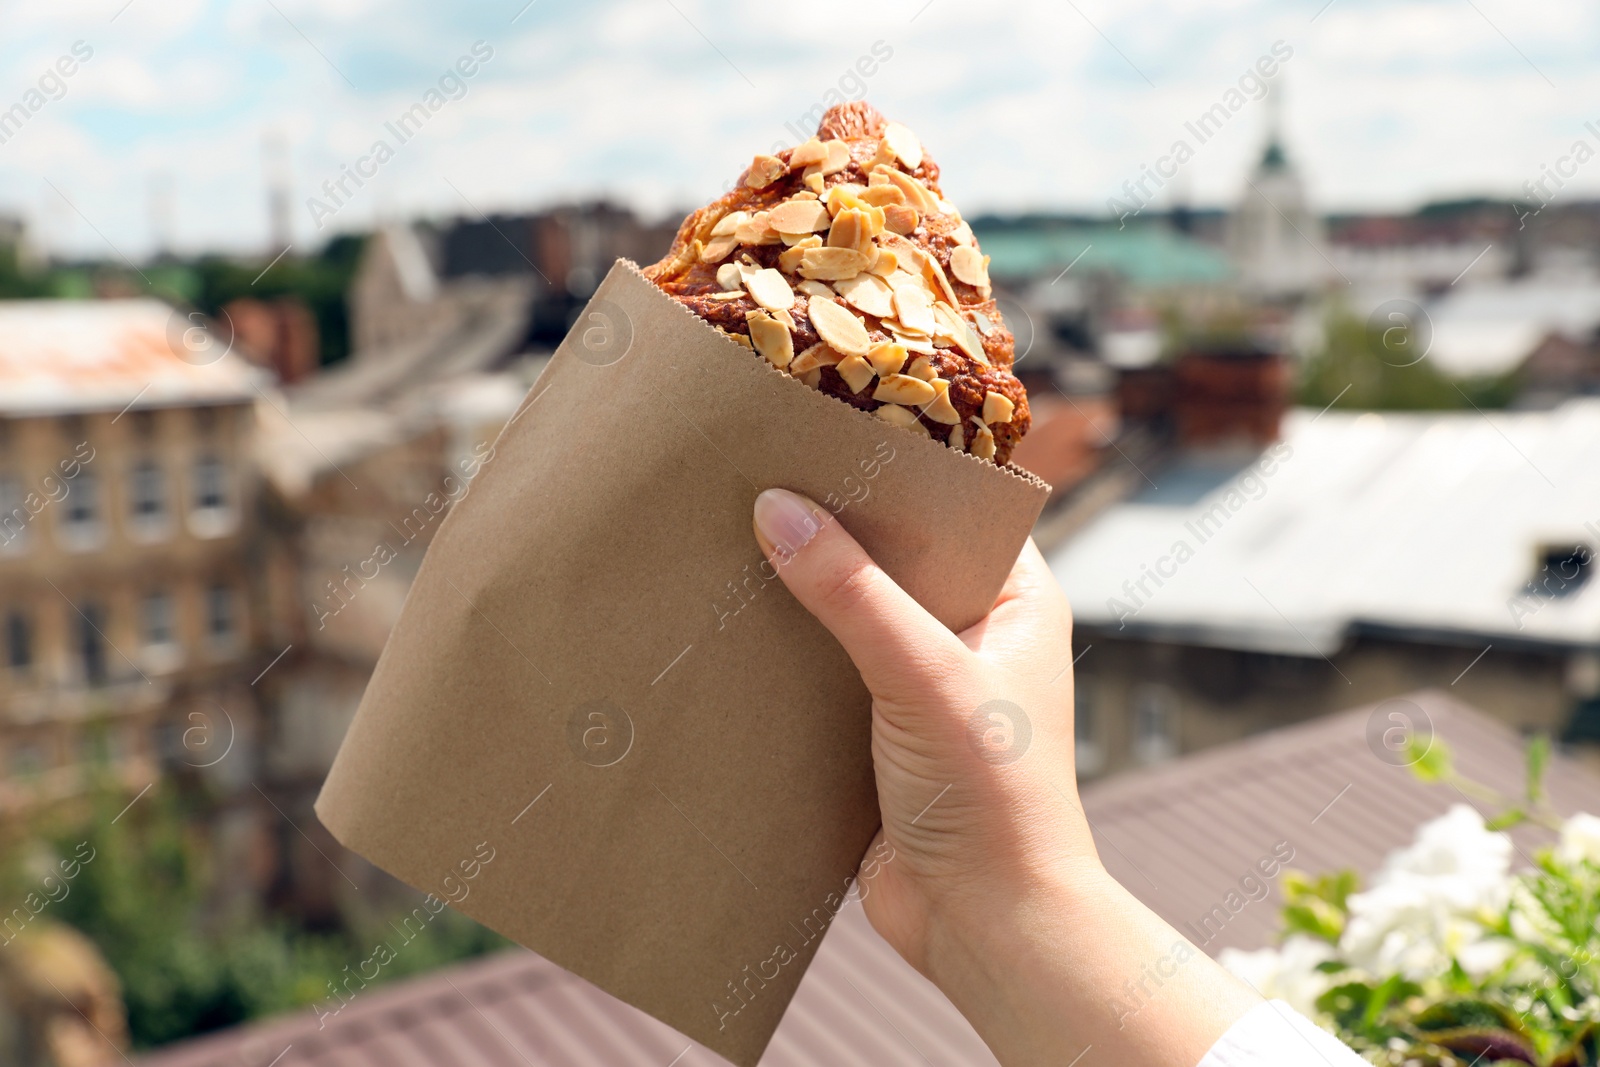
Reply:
x=1450, y=958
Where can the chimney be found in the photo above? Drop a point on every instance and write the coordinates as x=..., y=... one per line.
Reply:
x=1212, y=395
x=1229, y=395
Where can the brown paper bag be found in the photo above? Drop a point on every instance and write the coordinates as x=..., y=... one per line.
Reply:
x=599, y=683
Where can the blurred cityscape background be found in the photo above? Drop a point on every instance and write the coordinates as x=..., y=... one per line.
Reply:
x=1312, y=451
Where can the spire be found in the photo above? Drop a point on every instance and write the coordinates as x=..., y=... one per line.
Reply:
x=279, y=182
x=1274, y=158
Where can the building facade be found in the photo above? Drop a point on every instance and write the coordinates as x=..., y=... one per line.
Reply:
x=125, y=588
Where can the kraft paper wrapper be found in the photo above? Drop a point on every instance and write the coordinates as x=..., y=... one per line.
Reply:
x=594, y=633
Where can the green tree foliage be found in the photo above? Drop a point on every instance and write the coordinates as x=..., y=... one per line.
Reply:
x=1383, y=366
x=320, y=280
x=147, y=899
x=17, y=284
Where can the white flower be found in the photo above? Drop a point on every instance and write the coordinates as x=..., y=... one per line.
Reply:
x=1423, y=906
x=1580, y=839
x=1288, y=973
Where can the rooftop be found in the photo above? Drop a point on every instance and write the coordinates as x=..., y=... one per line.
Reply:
x=1490, y=328
x=1180, y=836
x=1148, y=255
x=59, y=356
x=1432, y=522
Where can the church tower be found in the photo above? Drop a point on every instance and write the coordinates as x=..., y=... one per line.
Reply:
x=1274, y=239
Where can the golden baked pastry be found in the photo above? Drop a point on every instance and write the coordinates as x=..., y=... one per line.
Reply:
x=841, y=263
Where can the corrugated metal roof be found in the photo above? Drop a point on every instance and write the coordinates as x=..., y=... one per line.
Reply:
x=1179, y=836
x=1427, y=521
x=102, y=355
x=1492, y=326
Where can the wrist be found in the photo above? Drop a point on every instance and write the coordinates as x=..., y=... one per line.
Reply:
x=1006, y=954
x=1072, y=960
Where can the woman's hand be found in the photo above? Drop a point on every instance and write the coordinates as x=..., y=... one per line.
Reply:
x=985, y=876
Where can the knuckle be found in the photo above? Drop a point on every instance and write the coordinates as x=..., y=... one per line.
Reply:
x=847, y=588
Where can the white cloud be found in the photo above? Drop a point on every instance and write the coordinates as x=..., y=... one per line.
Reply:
x=1033, y=104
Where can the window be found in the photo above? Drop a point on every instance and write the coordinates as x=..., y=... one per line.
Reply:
x=92, y=643
x=147, y=493
x=1155, y=723
x=157, y=621
x=14, y=517
x=80, y=511
x=19, y=641
x=1561, y=570
x=210, y=485
x=220, y=621
x=1086, y=735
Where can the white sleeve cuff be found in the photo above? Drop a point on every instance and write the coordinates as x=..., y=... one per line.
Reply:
x=1275, y=1035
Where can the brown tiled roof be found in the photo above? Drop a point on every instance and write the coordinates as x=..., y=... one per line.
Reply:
x=1180, y=836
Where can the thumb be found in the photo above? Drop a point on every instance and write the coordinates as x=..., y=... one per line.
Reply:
x=897, y=646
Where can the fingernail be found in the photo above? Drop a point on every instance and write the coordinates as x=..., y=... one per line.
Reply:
x=785, y=521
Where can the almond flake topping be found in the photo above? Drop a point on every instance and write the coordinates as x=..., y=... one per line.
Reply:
x=902, y=417
x=770, y=289
x=718, y=249
x=904, y=389
x=869, y=293
x=856, y=372
x=832, y=264
x=887, y=358
x=729, y=223
x=729, y=276
x=920, y=345
x=764, y=170
x=771, y=338
x=901, y=219
x=914, y=309
x=850, y=229
x=815, y=288
x=790, y=258
x=818, y=355
x=798, y=216
x=917, y=195
x=972, y=344
x=904, y=144
x=983, y=444
x=757, y=230
x=970, y=266
x=838, y=157
x=807, y=154
x=883, y=195
x=941, y=410
x=997, y=408
x=839, y=327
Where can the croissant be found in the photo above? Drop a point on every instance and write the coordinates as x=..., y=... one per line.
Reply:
x=840, y=262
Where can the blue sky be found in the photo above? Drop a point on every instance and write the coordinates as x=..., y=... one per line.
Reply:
x=1048, y=104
